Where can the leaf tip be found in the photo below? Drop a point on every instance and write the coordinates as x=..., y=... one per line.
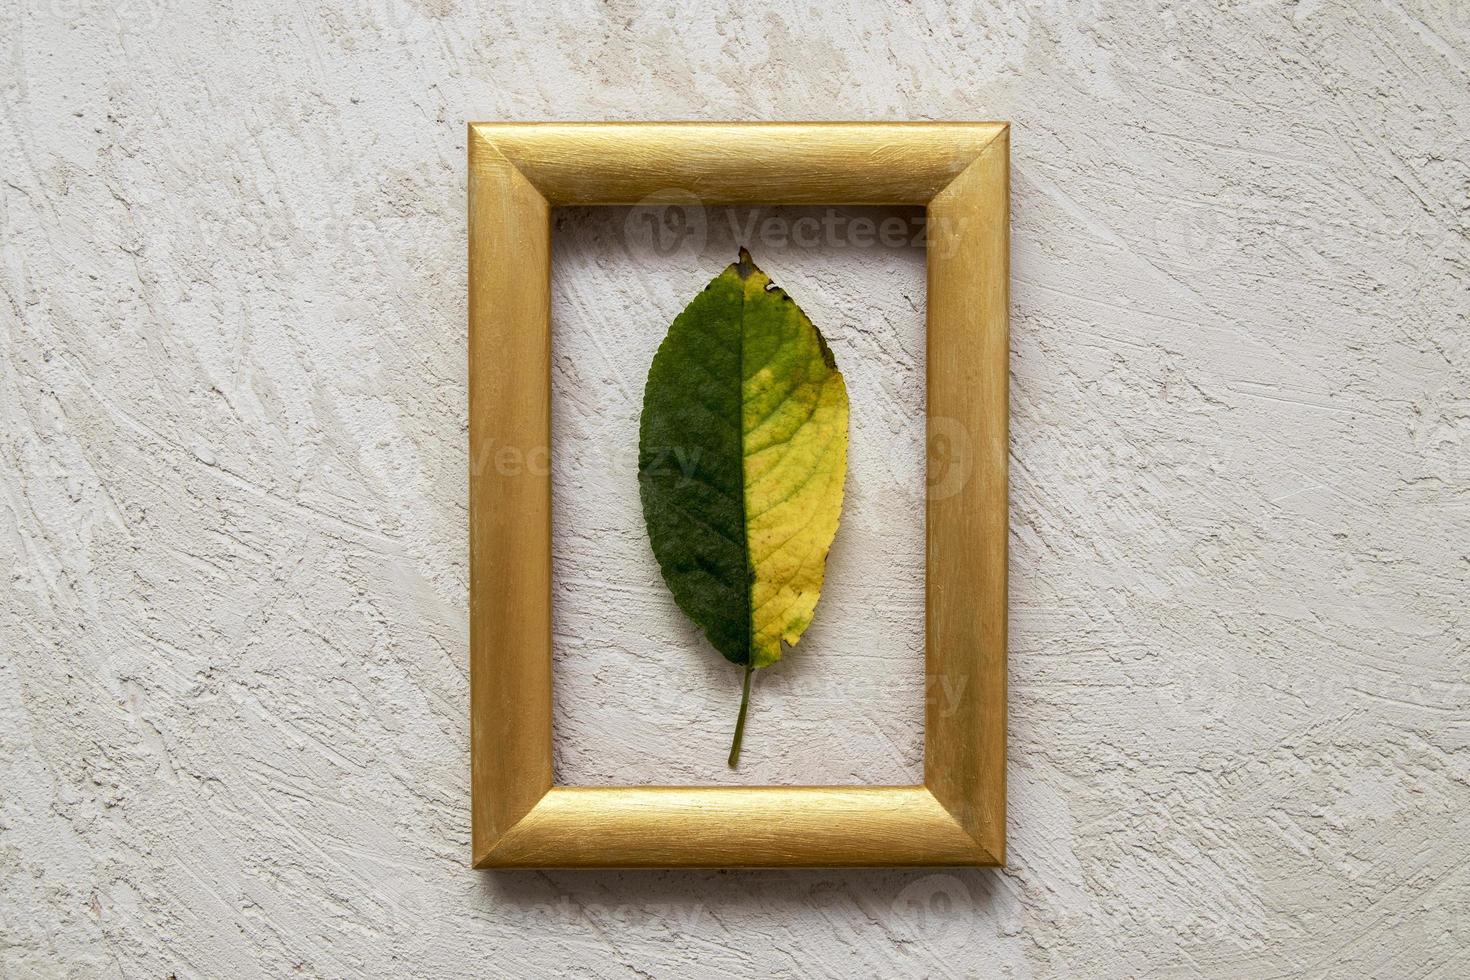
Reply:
x=744, y=265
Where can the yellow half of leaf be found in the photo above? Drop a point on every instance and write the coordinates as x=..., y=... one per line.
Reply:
x=794, y=416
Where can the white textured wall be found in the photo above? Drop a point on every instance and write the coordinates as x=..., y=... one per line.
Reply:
x=232, y=503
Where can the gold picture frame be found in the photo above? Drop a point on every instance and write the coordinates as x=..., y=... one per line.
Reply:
x=518, y=172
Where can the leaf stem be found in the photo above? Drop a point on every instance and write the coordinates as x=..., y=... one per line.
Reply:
x=740, y=721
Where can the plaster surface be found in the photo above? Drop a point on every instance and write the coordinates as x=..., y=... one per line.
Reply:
x=233, y=709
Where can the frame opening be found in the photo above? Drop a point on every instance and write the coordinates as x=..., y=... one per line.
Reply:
x=639, y=696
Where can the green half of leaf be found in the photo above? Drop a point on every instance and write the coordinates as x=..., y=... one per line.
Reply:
x=742, y=459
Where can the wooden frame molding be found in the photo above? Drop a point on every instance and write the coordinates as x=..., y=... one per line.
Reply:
x=518, y=172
